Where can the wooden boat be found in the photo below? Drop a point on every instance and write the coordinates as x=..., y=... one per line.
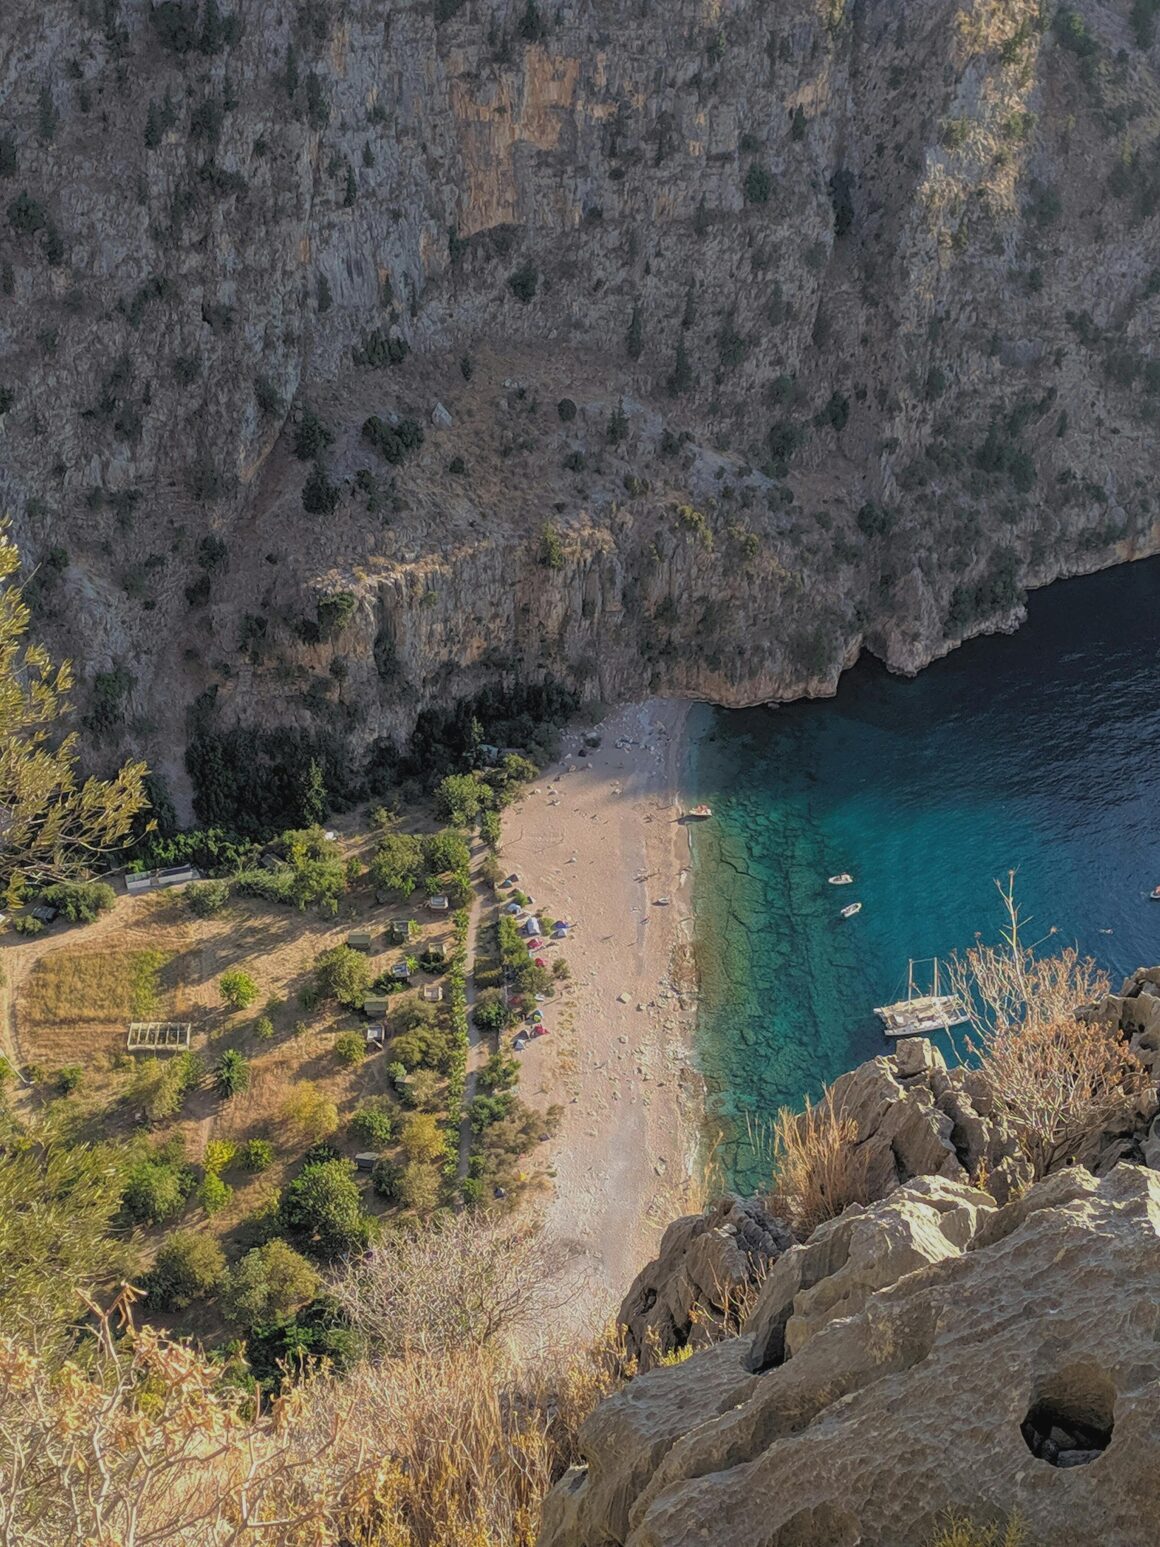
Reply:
x=920, y=1014
x=850, y=909
x=701, y=813
x=845, y=879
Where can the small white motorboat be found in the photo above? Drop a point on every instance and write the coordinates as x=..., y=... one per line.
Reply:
x=701, y=813
x=850, y=909
x=1155, y=894
x=845, y=879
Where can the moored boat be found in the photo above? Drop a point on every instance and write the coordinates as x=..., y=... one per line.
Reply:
x=850, y=909
x=845, y=879
x=702, y=813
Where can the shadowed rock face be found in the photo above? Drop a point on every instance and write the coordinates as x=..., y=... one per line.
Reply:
x=873, y=285
x=1011, y=1370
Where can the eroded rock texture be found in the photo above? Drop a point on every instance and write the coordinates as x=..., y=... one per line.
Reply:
x=850, y=309
x=995, y=1361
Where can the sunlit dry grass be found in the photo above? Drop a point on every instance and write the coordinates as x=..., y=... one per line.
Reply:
x=69, y=988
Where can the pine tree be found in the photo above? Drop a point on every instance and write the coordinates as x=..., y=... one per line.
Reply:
x=313, y=799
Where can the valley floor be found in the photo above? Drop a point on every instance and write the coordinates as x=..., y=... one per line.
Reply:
x=597, y=841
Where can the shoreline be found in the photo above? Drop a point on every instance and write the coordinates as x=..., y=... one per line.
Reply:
x=597, y=840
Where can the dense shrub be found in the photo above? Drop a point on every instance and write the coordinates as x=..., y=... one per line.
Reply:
x=81, y=902
x=566, y=409
x=394, y=442
x=159, y=1085
x=522, y=282
x=312, y=437
x=307, y=1114
x=378, y=350
x=237, y=988
x=320, y=497
x=213, y=1194
x=69, y=1078
x=257, y=1154
x=205, y=898
x=231, y=1073
x=350, y=1048
x=344, y=974
x=372, y=1123
x=155, y=1191
x=188, y=1266
x=269, y=1282
x=758, y=184
x=322, y=1204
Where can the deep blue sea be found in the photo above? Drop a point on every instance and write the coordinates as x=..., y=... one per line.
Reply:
x=1037, y=751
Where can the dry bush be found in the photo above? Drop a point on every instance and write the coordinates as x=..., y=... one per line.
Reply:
x=1061, y=1085
x=1009, y=986
x=142, y=1444
x=475, y=1442
x=457, y=1282
x=818, y=1169
x=1059, y=1081
x=963, y=1532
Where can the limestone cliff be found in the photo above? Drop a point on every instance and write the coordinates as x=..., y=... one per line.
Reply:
x=742, y=337
x=941, y=1357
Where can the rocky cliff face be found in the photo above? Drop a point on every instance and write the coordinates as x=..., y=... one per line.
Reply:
x=932, y=1355
x=849, y=310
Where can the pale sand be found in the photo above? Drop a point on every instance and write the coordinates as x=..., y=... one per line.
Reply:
x=596, y=842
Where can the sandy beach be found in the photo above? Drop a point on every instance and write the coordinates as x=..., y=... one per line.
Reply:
x=597, y=841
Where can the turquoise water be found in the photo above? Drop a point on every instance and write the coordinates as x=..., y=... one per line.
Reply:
x=1038, y=751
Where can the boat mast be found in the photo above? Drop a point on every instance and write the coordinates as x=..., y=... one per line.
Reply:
x=936, y=977
x=910, y=980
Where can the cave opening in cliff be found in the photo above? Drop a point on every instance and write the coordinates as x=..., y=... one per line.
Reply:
x=1070, y=1421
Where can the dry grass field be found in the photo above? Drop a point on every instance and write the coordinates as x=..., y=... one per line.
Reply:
x=69, y=988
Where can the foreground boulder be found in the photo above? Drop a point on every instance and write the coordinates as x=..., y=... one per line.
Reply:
x=1017, y=1373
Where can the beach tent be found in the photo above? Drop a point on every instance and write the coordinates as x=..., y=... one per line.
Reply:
x=532, y=927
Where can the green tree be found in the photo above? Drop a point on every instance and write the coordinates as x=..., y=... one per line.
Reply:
x=231, y=1073
x=312, y=804
x=311, y=437
x=344, y=974
x=323, y=1204
x=205, y=898
x=372, y=1123
x=155, y=1191
x=350, y=1048
x=459, y=798
x=418, y=1187
x=269, y=1282
x=213, y=1194
x=257, y=1154
x=57, y=1209
x=308, y=1114
x=421, y=1138
x=634, y=342
x=237, y=988
x=55, y=828
x=81, y=902
x=398, y=863
x=188, y=1266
